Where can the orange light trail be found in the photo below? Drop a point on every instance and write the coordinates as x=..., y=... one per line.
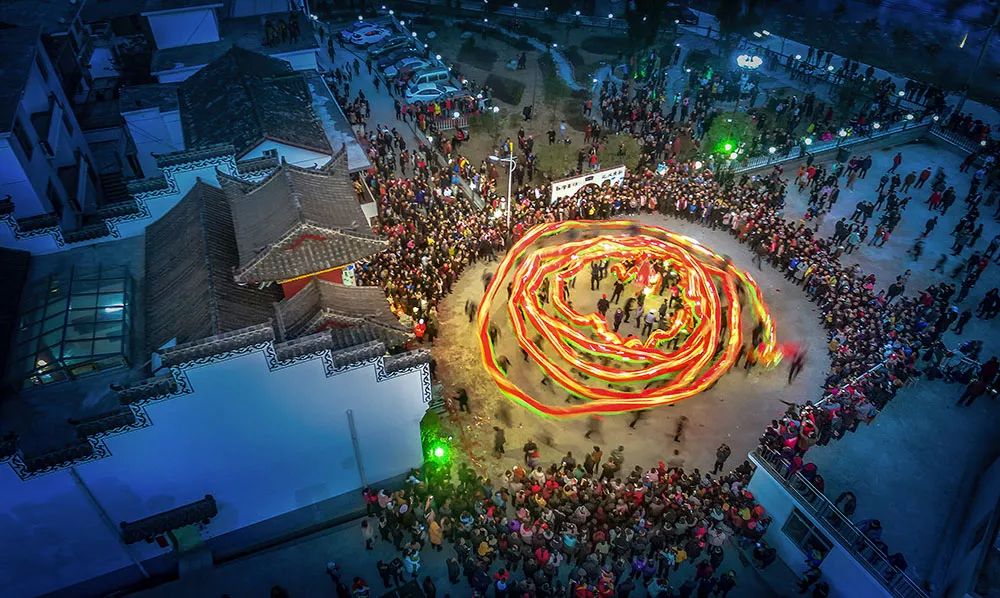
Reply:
x=589, y=348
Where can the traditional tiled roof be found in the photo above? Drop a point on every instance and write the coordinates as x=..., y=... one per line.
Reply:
x=244, y=97
x=190, y=291
x=298, y=222
x=324, y=305
x=161, y=523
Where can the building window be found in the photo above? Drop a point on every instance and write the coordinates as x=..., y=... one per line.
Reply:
x=74, y=324
x=270, y=153
x=810, y=540
x=22, y=138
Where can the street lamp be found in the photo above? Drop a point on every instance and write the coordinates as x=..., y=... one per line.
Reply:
x=909, y=117
x=455, y=114
x=511, y=161
x=749, y=61
x=772, y=149
x=361, y=18
x=876, y=126
x=808, y=141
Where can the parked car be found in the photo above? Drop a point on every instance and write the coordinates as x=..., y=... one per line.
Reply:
x=348, y=32
x=428, y=92
x=367, y=37
x=434, y=74
x=396, y=55
x=405, y=66
x=389, y=44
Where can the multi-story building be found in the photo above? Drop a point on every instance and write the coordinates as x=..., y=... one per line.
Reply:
x=242, y=106
x=47, y=174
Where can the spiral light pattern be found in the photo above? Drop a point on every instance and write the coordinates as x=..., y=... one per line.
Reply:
x=614, y=372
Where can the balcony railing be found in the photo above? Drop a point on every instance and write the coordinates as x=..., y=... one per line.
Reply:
x=838, y=525
x=796, y=152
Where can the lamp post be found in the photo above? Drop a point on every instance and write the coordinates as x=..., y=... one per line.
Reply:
x=511, y=161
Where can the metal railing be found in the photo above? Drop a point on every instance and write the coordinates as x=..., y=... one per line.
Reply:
x=852, y=381
x=838, y=525
x=960, y=141
x=797, y=152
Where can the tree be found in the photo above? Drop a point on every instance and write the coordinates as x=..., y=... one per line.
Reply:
x=736, y=16
x=643, y=22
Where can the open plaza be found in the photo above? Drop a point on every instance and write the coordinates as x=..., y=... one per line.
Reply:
x=431, y=299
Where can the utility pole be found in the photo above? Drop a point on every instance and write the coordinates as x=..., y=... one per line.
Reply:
x=979, y=60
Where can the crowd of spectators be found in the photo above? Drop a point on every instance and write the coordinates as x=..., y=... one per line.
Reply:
x=878, y=341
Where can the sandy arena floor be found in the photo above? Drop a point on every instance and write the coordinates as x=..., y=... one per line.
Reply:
x=735, y=411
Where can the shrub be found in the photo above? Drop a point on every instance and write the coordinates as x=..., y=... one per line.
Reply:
x=580, y=66
x=505, y=89
x=553, y=87
x=532, y=31
x=480, y=58
x=517, y=42
x=721, y=132
x=608, y=45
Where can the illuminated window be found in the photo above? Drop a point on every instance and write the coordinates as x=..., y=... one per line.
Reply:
x=72, y=325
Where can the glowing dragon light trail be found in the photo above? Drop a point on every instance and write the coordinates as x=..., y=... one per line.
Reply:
x=616, y=372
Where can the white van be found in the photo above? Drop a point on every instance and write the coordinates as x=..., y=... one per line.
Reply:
x=430, y=75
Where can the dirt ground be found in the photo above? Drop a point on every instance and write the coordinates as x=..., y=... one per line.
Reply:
x=735, y=411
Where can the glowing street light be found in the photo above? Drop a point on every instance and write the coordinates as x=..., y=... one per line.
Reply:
x=765, y=32
x=747, y=61
x=936, y=118
x=361, y=18
x=772, y=149
x=830, y=68
x=909, y=117
x=758, y=34
x=842, y=133
x=808, y=141
x=733, y=156
x=455, y=114
x=901, y=93
x=698, y=164
x=414, y=34
x=728, y=147
x=437, y=56
x=876, y=126
x=577, y=13
x=495, y=109
x=798, y=57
